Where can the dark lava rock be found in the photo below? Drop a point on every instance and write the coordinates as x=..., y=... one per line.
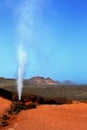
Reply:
x=17, y=106
x=3, y=123
x=49, y=101
x=40, y=100
x=5, y=117
x=29, y=97
x=63, y=100
x=3, y=120
x=6, y=94
x=30, y=105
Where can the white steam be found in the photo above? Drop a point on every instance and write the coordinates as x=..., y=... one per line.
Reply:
x=21, y=69
x=28, y=13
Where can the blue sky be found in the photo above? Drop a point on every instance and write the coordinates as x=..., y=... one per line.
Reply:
x=53, y=34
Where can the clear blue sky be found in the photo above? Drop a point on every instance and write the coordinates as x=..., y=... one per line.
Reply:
x=54, y=37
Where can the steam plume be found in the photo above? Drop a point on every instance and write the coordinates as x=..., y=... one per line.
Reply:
x=21, y=67
x=27, y=13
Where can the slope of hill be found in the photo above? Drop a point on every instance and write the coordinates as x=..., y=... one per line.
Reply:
x=68, y=82
x=41, y=81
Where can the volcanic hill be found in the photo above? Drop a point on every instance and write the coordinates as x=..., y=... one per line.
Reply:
x=41, y=81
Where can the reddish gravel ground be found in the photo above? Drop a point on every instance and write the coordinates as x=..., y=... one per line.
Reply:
x=48, y=117
x=4, y=105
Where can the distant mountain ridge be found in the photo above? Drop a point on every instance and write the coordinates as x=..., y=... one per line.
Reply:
x=41, y=81
x=68, y=82
x=38, y=80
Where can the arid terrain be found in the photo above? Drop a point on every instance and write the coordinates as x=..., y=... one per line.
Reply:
x=48, y=115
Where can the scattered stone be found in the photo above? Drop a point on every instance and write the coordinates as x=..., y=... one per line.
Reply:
x=3, y=120
x=17, y=106
x=5, y=117
x=15, y=112
x=30, y=105
x=3, y=123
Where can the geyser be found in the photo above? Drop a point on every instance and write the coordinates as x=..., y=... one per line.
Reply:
x=21, y=69
x=28, y=16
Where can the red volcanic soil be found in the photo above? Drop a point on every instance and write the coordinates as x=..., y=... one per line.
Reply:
x=4, y=105
x=49, y=117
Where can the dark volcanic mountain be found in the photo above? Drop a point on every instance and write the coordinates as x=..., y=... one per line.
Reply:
x=41, y=81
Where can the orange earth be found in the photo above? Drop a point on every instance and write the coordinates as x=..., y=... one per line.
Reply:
x=48, y=117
